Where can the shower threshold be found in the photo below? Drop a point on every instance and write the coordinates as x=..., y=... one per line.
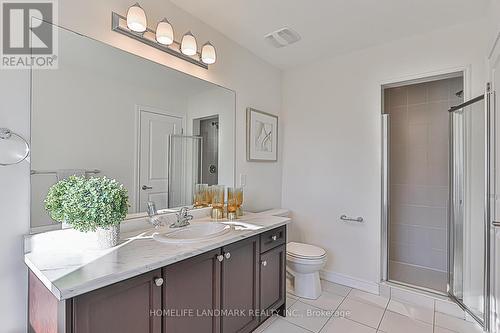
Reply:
x=427, y=291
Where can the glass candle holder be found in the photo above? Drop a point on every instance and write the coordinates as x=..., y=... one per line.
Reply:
x=210, y=193
x=232, y=203
x=239, y=201
x=217, y=192
x=200, y=195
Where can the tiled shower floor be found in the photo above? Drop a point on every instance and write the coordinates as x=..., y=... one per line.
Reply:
x=418, y=276
x=341, y=309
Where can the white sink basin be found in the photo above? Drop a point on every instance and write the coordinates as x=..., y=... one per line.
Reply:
x=193, y=233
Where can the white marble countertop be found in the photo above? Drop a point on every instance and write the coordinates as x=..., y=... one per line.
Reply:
x=68, y=264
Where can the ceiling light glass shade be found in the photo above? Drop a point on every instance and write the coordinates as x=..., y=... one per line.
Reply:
x=208, y=54
x=136, y=19
x=188, y=44
x=164, y=32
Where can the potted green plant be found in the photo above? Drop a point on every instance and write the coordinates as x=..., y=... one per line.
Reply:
x=96, y=204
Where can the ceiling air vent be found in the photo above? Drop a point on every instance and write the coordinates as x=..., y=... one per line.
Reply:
x=282, y=37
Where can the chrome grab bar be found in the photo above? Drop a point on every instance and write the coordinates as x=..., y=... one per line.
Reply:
x=352, y=219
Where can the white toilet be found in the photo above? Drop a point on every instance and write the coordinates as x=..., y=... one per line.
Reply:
x=304, y=262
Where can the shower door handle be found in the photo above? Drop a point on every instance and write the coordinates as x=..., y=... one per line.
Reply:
x=495, y=224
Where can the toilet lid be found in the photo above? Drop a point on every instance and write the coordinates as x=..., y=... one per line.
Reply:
x=301, y=250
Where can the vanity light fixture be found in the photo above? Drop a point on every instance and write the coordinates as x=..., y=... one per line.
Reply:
x=135, y=26
x=164, y=32
x=208, y=53
x=136, y=18
x=188, y=44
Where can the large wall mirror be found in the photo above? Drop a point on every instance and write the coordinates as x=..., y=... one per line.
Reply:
x=106, y=112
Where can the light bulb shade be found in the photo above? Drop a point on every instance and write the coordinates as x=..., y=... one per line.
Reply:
x=208, y=54
x=188, y=44
x=136, y=19
x=164, y=32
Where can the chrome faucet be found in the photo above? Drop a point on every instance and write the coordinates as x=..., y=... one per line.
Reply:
x=183, y=218
x=154, y=219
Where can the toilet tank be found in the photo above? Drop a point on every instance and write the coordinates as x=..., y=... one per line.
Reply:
x=277, y=212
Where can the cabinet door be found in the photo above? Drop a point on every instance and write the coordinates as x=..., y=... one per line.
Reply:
x=124, y=307
x=272, y=278
x=192, y=295
x=240, y=286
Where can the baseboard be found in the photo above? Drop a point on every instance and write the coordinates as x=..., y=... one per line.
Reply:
x=349, y=281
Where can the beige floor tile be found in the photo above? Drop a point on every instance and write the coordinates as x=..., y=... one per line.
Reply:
x=308, y=316
x=455, y=324
x=410, y=310
x=342, y=325
x=364, y=313
x=442, y=330
x=335, y=288
x=449, y=308
x=266, y=324
x=290, y=301
x=412, y=297
x=327, y=301
x=281, y=326
x=396, y=323
x=368, y=298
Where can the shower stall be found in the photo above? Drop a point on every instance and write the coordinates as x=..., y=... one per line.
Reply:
x=435, y=166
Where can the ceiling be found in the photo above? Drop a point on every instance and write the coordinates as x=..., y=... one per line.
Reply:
x=327, y=27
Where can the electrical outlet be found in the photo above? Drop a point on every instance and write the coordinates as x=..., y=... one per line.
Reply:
x=243, y=180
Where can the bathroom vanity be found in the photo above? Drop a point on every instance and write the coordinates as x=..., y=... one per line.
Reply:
x=230, y=283
x=151, y=128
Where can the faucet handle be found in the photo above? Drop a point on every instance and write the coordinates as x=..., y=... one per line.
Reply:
x=152, y=209
x=183, y=212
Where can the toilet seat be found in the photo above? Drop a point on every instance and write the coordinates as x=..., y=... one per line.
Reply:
x=304, y=251
x=307, y=262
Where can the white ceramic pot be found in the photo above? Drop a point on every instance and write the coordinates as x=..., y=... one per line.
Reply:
x=107, y=238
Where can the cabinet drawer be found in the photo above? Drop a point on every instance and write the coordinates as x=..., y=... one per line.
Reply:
x=272, y=238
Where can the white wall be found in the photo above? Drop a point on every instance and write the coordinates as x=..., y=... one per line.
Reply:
x=256, y=83
x=332, y=153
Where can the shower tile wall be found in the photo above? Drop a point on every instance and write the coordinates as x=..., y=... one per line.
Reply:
x=419, y=181
x=209, y=130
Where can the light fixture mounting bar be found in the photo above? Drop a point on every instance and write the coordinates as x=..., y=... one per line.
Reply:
x=119, y=24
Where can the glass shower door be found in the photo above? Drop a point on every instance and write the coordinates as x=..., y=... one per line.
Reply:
x=185, y=157
x=469, y=208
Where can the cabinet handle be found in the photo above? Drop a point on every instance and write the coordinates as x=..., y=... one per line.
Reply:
x=274, y=238
x=159, y=282
x=220, y=257
x=227, y=255
x=264, y=263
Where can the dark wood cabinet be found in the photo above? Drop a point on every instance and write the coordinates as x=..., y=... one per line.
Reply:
x=272, y=279
x=124, y=307
x=225, y=290
x=191, y=294
x=240, y=286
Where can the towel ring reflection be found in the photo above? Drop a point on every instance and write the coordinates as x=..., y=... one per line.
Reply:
x=6, y=134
